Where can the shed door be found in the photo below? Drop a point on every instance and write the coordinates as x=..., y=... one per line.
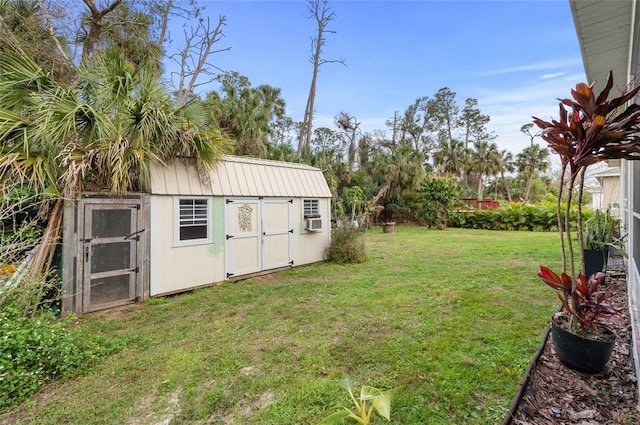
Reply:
x=109, y=257
x=259, y=235
x=243, y=237
x=277, y=233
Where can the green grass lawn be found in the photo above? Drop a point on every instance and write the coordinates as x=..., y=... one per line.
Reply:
x=446, y=320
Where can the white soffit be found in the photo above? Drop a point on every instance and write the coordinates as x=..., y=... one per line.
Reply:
x=603, y=28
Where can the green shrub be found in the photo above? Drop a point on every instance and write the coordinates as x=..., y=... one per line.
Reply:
x=513, y=216
x=36, y=350
x=435, y=200
x=35, y=347
x=347, y=245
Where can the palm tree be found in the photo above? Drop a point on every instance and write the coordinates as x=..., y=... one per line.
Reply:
x=397, y=173
x=530, y=161
x=449, y=156
x=483, y=161
x=505, y=164
x=105, y=130
x=246, y=114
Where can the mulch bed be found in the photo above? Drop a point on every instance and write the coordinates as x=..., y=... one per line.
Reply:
x=554, y=394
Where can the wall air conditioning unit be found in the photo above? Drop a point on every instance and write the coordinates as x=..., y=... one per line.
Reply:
x=314, y=224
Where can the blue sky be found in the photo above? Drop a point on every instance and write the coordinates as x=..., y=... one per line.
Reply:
x=515, y=57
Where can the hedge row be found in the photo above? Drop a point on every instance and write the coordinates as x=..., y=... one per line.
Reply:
x=513, y=216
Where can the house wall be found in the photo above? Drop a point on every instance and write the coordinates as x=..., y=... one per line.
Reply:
x=180, y=268
x=597, y=199
x=631, y=218
x=630, y=171
x=611, y=193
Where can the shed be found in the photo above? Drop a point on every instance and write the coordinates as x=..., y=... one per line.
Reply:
x=245, y=217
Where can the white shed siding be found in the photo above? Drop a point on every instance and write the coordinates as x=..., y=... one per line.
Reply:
x=275, y=191
x=175, y=269
x=310, y=246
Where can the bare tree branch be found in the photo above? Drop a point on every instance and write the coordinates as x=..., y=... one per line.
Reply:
x=323, y=15
x=193, y=59
x=165, y=23
x=53, y=33
x=95, y=25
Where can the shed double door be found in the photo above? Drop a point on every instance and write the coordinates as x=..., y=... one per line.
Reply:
x=259, y=235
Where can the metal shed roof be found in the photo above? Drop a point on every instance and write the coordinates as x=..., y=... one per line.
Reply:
x=240, y=176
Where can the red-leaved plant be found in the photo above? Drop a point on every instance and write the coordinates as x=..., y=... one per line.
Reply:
x=589, y=132
x=586, y=302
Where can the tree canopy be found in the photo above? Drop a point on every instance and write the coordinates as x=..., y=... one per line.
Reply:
x=90, y=105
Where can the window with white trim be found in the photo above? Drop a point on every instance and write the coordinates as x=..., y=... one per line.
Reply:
x=311, y=208
x=192, y=222
x=312, y=217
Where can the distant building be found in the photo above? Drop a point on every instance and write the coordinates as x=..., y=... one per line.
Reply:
x=607, y=196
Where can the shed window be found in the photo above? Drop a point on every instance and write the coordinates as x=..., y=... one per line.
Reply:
x=192, y=221
x=311, y=208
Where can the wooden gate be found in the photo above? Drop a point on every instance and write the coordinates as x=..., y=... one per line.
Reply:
x=108, y=254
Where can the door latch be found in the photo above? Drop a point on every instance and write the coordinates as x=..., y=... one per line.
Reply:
x=130, y=236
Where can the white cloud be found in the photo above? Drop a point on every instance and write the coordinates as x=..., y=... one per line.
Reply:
x=552, y=75
x=512, y=107
x=540, y=66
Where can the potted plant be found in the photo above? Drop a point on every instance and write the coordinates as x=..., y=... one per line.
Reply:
x=581, y=341
x=388, y=226
x=589, y=130
x=601, y=232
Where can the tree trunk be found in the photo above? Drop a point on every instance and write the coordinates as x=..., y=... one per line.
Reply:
x=304, y=140
x=165, y=22
x=43, y=256
x=528, y=188
x=506, y=187
x=95, y=25
x=323, y=15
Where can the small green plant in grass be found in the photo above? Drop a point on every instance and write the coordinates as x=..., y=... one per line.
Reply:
x=371, y=400
x=347, y=245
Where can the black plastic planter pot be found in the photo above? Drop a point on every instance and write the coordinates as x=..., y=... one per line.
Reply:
x=581, y=354
x=595, y=260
